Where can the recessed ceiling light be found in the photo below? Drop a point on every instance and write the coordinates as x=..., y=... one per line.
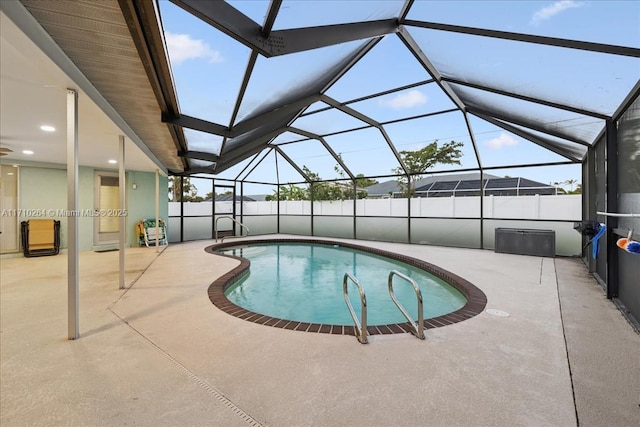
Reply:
x=27, y=152
x=113, y=162
x=48, y=128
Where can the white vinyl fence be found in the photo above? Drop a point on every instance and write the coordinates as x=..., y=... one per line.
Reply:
x=386, y=219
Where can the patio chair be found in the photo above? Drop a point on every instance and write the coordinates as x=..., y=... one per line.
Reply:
x=146, y=229
x=40, y=237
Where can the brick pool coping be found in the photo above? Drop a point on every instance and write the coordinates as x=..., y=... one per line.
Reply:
x=476, y=299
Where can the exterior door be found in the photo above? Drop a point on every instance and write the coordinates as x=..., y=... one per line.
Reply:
x=106, y=205
x=9, y=205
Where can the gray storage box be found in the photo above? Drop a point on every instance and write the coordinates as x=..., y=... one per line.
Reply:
x=525, y=242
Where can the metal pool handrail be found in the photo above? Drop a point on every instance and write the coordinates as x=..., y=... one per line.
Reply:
x=215, y=226
x=418, y=330
x=361, y=328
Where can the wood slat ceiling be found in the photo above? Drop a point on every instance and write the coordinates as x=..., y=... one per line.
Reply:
x=95, y=36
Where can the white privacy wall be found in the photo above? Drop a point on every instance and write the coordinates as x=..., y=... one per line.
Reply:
x=385, y=219
x=564, y=207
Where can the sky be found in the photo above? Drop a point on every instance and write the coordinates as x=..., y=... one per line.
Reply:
x=208, y=68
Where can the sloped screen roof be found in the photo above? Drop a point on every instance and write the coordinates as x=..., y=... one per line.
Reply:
x=340, y=88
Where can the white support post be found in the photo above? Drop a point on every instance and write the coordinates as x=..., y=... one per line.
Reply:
x=489, y=207
x=453, y=206
x=157, y=211
x=72, y=219
x=123, y=206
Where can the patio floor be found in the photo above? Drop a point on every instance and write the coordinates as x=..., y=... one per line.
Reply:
x=159, y=353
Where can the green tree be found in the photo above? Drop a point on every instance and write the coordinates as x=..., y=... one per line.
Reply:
x=418, y=162
x=290, y=192
x=338, y=190
x=360, y=181
x=190, y=190
x=363, y=182
x=331, y=191
x=323, y=190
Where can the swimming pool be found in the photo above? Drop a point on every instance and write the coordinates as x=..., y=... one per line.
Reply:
x=297, y=284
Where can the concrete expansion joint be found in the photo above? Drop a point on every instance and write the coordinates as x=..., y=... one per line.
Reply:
x=135, y=280
x=192, y=376
x=566, y=345
x=541, y=269
x=202, y=383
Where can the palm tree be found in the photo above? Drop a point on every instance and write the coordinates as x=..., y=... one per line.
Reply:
x=570, y=183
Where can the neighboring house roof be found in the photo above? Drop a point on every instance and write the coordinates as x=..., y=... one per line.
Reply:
x=465, y=184
x=383, y=188
x=388, y=187
x=489, y=183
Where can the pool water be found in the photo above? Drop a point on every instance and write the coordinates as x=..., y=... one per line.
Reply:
x=303, y=282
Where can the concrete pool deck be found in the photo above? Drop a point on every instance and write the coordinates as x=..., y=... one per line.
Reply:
x=159, y=353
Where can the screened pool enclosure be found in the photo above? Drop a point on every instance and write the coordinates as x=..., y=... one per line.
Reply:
x=310, y=95
x=294, y=108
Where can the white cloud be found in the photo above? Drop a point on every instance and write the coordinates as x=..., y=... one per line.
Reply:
x=501, y=141
x=405, y=100
x=550, y=11
x=182, y=47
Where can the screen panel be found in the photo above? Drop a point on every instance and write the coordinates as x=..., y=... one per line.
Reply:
x=464, y=233
x=382, y=229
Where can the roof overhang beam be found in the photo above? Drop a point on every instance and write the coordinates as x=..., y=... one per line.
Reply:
x=302, y=39
x=237, y=25
x=292, y=109
x=194, y=123
x=199, y=155
x=196, y=170
x=143, y=20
